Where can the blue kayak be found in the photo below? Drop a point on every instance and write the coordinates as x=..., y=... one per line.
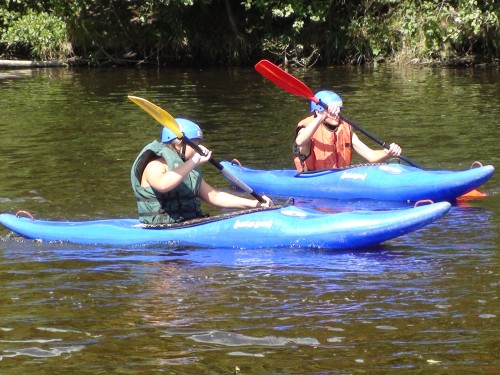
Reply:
x=383, y=182
x=287, y=226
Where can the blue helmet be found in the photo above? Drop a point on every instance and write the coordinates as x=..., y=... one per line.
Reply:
x=327, y=97
x=187, y=127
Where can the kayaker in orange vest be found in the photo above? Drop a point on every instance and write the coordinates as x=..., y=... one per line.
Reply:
x=168, y=182
x=324, y=141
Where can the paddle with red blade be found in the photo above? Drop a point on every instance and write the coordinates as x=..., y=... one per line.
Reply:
x=291, y=84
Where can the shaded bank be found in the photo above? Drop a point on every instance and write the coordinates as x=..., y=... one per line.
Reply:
x=220, y=32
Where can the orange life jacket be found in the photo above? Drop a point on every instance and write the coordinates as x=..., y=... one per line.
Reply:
x=329, y=149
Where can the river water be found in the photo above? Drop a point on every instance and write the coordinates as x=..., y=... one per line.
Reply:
x=424, y=303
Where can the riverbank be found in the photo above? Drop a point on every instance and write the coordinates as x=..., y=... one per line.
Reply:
x=458, y=62
x=31, y=64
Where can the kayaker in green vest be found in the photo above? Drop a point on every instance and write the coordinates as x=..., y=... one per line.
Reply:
x=325, y=141
x=168, y=184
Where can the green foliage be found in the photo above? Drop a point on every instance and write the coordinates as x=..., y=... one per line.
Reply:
x=216, y=32
x=287, y=29
x=424, y=31
x=43, y=34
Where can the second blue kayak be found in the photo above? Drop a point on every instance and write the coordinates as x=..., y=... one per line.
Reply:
x=391, y=182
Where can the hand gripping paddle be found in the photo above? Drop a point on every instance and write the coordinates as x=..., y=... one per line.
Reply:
x=164, y=118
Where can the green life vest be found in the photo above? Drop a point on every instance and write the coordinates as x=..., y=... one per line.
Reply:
x=179, y=204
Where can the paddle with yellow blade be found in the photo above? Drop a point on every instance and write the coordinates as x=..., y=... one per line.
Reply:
x=296, y=87
x=164, y=118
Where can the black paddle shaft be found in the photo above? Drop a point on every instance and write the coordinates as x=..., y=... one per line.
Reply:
x=228, y=174
x=371, y=136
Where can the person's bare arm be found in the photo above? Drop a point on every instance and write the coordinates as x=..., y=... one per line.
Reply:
x=374, y=156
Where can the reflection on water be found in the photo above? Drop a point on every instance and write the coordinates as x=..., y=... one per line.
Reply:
x=426, y=301
x=15, y=73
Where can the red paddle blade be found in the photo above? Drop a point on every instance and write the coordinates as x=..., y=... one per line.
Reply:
x=284, y=80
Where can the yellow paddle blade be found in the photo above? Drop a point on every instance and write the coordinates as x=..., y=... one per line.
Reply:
x=160, y=115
